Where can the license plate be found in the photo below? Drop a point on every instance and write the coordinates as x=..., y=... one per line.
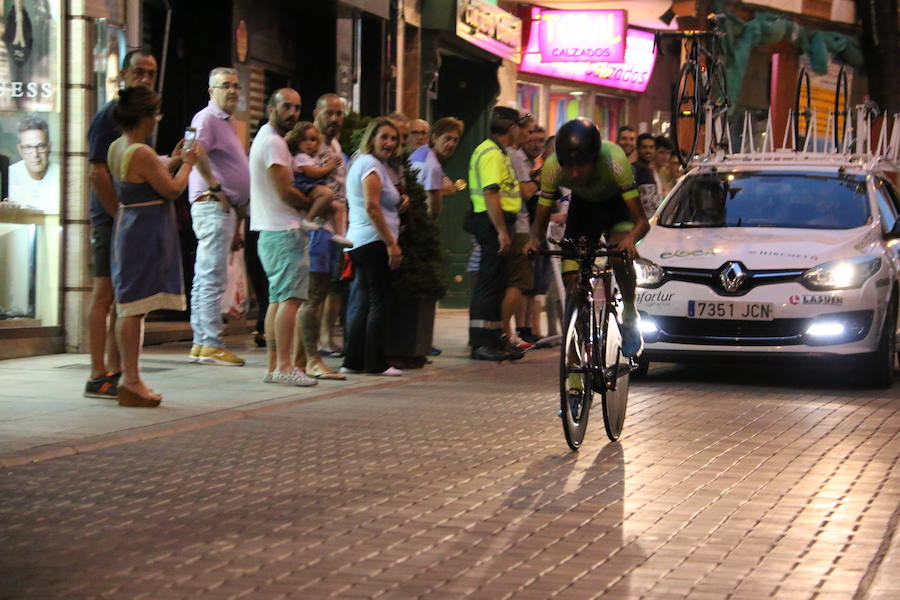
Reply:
x=736, y=311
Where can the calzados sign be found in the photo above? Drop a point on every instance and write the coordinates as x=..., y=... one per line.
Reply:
x=582, y=35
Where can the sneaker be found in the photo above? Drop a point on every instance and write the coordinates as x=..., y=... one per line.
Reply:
x=632, y=342
x=515, y=353
x=490, y=353
x=307, y=225
x=519, y=343
x=220, y=356
x=104, y=386
x=435, y=351
x=194, y=356
x=294, y=377
x=341, y=241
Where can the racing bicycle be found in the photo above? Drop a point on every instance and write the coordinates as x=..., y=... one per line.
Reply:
x=701, y=86
x=591, y=352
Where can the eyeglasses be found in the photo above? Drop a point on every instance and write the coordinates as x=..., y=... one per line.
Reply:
x=37, y=148
x=228, y=86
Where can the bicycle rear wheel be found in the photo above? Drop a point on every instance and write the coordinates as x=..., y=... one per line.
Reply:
x=841, y=108
x=686, y=113
x=617, y=374
x=802, y=109
x=575, y=369
x=717, y=97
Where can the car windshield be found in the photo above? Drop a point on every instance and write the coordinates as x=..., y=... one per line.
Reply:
x=768, y=199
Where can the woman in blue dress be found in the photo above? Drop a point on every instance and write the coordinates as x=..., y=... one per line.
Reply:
x=146, y=255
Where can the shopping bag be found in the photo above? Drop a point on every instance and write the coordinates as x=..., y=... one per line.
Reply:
x=235, y=302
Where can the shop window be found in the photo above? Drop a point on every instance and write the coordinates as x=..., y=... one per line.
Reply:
x=30, y=146
x=609, y=115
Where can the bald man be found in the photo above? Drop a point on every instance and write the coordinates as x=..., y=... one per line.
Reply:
x=418, y=134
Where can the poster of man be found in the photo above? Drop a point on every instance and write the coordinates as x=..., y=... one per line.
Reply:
x=34, y=180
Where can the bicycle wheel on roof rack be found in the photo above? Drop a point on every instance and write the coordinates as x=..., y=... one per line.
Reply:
x=802, y=109
x=717, y=97
x=686, y=113
x=841, y=108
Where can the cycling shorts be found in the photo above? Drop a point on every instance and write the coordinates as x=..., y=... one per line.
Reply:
x=595, y=219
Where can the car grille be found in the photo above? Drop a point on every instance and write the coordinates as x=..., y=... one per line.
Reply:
x=712, y=279
x=682, y=330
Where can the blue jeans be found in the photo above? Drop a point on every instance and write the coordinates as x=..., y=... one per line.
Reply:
x=214, y=228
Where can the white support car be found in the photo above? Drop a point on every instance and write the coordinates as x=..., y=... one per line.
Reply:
x=755, y=258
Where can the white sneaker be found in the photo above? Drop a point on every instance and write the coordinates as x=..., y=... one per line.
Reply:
x=391, y=372
x=295, y=377
x=341, y=241
x=307, y=225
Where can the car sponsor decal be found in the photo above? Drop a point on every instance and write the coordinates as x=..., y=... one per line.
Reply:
x=655, y=297
x=816, y=299
x=687, y=253
x=783, y=254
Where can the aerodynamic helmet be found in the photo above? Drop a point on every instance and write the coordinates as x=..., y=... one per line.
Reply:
x=577, y=142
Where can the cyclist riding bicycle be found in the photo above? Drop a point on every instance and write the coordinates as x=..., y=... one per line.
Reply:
x=604, y=202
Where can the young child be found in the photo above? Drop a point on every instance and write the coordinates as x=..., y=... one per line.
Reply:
x=310, y=171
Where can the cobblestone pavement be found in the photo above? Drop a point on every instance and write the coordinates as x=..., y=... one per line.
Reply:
x=462, y=486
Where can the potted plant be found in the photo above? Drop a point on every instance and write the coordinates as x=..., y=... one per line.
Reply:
x=418, y=283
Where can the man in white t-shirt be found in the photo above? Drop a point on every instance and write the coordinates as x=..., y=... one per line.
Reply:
x=276, y=211
x=34, y=181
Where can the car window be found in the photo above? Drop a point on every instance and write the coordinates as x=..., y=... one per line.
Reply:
x=887, y=204
x=768, y=199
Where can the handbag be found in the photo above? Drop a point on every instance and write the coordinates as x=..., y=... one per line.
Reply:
x=235, y=301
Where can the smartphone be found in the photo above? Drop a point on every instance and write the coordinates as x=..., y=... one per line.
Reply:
x=190, y=134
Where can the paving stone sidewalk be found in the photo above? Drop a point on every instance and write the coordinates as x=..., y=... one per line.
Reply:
x=43, y=412
x=461, y=486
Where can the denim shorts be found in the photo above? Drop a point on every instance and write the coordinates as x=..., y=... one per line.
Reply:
x=101, y=249
x=283, y=257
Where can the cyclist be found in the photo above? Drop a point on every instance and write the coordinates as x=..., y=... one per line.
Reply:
x=604, y=202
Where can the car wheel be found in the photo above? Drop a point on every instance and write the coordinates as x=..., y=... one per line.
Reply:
x=880, y=365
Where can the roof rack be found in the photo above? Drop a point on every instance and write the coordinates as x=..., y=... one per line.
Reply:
x=856, y=149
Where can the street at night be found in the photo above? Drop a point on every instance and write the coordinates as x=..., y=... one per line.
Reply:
x=734, y=482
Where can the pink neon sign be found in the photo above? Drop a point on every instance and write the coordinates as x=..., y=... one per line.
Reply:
x=582, y=35
x=633, y=74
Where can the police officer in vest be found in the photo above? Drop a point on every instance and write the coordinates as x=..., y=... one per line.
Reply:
x=495, y=203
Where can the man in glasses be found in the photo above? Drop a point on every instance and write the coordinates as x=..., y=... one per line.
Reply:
x=219, y=196
x=418, y=134
x=35, y=179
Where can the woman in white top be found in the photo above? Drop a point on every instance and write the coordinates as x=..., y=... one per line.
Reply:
x=374, y=204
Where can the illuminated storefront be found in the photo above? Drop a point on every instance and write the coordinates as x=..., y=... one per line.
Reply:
x=31, y=154
x=587, y=63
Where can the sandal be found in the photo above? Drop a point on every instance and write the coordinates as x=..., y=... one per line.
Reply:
x=324, y=373
x=131, y=398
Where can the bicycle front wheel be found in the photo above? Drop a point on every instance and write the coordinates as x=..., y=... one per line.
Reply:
x=575, y=369
x=617, y=374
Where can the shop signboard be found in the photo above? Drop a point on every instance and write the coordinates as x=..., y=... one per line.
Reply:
x=582, y=35
x=490, y=28
x=30, y=155
x=633, y=74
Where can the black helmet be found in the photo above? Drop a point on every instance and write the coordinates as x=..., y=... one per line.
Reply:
x=577, y=142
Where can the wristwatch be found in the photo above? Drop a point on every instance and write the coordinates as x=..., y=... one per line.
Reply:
x=215, y=189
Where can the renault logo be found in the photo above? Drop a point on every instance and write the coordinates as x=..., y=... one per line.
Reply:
x=733, y=276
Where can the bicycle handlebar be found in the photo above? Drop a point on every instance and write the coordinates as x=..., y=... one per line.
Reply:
x=579, y=249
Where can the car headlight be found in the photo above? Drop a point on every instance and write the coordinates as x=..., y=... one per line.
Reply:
x=843, y=274
x=648, y=274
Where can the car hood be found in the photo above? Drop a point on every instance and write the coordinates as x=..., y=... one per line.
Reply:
x=755, y=247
